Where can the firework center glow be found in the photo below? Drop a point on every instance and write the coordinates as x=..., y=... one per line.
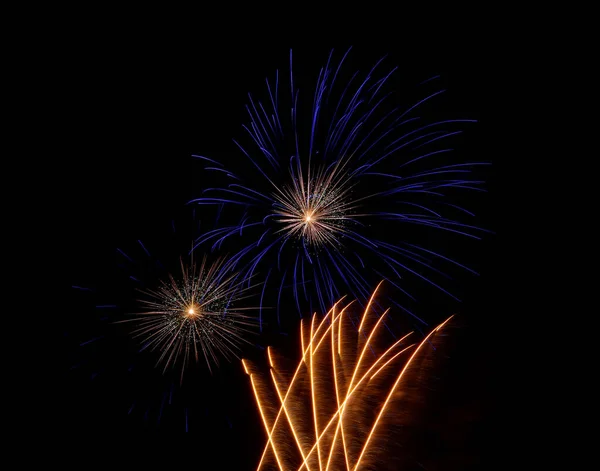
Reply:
x=192, y=311
x=316, y=216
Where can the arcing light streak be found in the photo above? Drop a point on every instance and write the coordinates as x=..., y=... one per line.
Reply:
x=328, y=402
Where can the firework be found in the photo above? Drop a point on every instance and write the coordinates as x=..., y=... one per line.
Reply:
x=342, y=183
x=183, y=311
x=332, y=412
x=193, y=316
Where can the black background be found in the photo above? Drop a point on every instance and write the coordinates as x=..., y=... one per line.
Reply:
x=137, y=110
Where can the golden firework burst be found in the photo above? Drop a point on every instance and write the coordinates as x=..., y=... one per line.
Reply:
x=194, y=315
x=316, y=206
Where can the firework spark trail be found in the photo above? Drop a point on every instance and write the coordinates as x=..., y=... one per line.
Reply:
x=332, y=424
x=194, y=315
x=311, y=210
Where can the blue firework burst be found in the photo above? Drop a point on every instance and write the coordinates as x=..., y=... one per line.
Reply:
x=339, y=178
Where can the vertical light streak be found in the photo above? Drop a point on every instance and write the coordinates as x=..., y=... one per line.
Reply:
x=340, y=338
x=302, y=336
x=337, y=393
x=312, y=390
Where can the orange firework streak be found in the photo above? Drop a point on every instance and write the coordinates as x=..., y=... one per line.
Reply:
x=327, y=416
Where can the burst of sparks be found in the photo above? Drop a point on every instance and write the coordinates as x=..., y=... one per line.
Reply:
x=194, y=316
x=324, y=417
x=315, y=209
x=356, y=160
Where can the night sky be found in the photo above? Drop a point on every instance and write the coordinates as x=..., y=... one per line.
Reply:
x=138, y=113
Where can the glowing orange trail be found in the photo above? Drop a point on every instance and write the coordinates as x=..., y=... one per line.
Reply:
x=312, y=390
x=349, y=396
x=289, y=418
x=315, y=440
x=368, y=307
x=335, y=381
x=387, y=399
x=291, y=383
x=262, y=415
x=340, y=426
x=360, y=359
